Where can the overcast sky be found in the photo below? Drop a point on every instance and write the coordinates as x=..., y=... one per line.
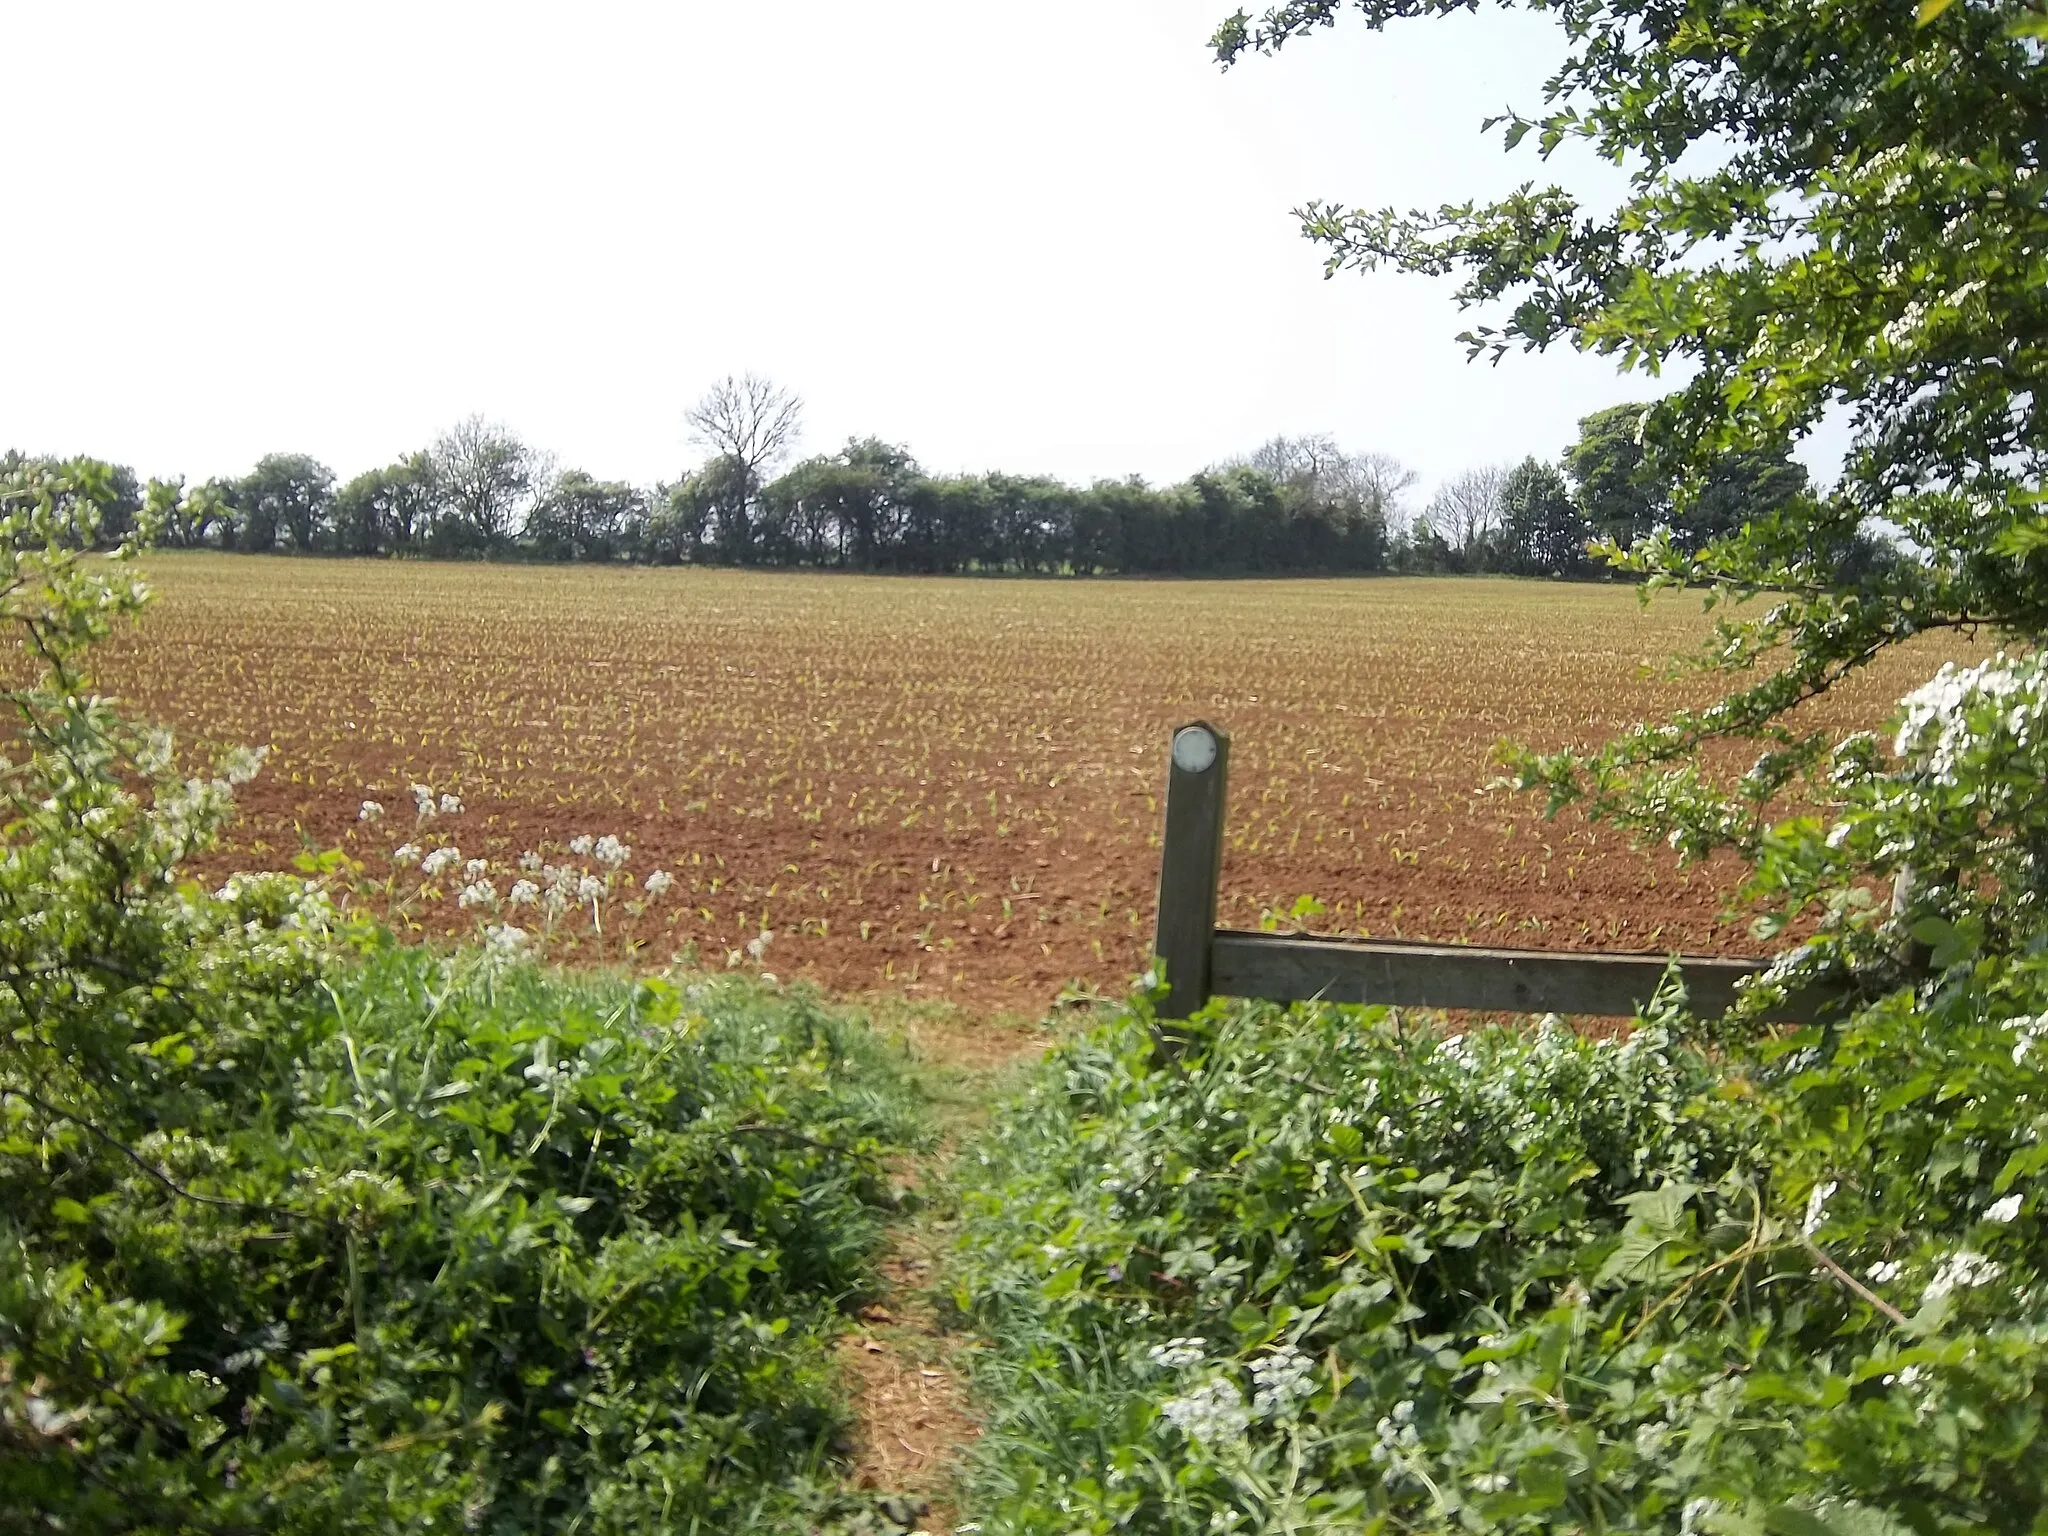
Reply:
x=1044, y=238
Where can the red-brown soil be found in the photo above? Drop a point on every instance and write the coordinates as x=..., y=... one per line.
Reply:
x=945, y=788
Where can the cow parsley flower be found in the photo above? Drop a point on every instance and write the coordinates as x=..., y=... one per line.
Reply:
x=438, y=860
x=1282, y=1381
x=451, y=805
x=422, y=802
x=610, y=852
x=475, y=869
x=758, y=945
x=524, y=893
x=589, y=888
x=406, y=853
x=478, y=893
x=532, y=862
x=659, y=882
x=371, y=811
x=580, y=844
x=504, y=943
x=1212, y=1414
x=1175, y=1353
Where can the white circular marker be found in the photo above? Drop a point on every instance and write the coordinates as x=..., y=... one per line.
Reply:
x=1194, y=749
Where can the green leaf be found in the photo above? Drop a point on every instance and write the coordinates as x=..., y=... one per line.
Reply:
x=1783, y=1519
x=1928, y=10
x=69, y=1210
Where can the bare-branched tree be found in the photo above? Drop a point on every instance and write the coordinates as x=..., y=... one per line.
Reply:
x=748, y=419
x=1466, y=509
x=749, y=425
x=487, y=477
x=1361, y=484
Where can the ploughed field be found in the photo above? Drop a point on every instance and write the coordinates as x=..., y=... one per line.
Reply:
x=948, y=787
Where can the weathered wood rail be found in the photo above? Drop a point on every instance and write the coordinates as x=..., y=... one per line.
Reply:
x=1202, y=960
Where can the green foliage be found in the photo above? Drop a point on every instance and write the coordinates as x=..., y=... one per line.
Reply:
x=301, y=1230
x=1542, y=531
x=1324, y=1272
x=1830, y=213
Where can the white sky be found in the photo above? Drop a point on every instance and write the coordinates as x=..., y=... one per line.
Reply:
x=1051, y=237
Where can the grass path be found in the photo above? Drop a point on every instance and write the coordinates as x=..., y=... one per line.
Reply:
x=907, y=1359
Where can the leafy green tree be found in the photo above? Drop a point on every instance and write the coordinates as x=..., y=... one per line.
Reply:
x=1542, y=530
x=1868, y=237
x=292, y=493
x=851, y=508
x=583, y=518
x=388, y=509
x=1621, y=492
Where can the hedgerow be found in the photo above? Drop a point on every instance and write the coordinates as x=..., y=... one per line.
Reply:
x=1328, y=1269
x=301, y=1229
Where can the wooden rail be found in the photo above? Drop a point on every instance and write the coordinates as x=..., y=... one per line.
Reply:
x=1202, y=960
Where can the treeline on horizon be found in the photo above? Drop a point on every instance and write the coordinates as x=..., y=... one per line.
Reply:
x=1299, y=505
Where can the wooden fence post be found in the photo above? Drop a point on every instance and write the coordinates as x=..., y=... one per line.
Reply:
x=1191, y=863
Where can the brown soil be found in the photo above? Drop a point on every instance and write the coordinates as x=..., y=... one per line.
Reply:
x=943, y=789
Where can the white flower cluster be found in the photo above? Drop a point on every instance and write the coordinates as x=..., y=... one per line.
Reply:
x=1817, y=1207
x=1397, y=1434
x=1212, y=1414
x=2030, y=1031
x=426, y=804
x=658, y=883
x=2005, y=1210
x=1934, y=728
x=1175, y=1353
x=1692, y=1518
x=548, y=1075
x=440, y=859
x=504, y=945
x=1961, y=1271
x=1282, y=1381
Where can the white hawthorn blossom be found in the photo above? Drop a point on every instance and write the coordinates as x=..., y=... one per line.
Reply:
x=1817, y=1207
x=2003, y=1210
x=1961, y=1271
